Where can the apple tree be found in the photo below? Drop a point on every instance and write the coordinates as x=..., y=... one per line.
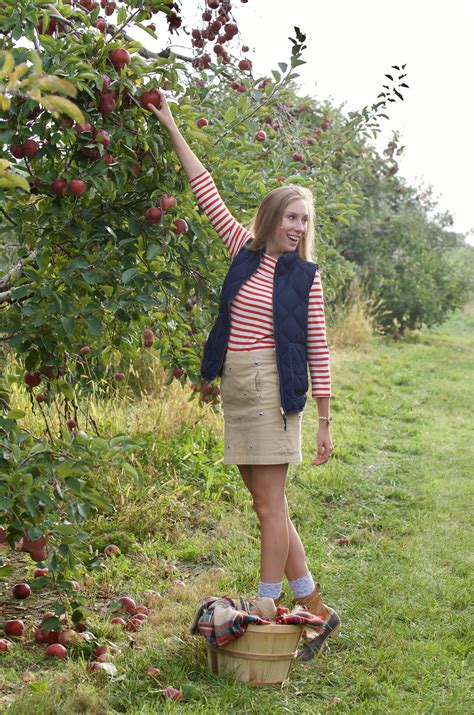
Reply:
x=108, y=254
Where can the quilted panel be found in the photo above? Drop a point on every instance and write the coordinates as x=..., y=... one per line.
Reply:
x=292, y=284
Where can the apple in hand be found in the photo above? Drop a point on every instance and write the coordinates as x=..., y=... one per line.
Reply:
x=150, y=96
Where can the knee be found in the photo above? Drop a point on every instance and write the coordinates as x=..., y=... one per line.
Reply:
x=269, y=509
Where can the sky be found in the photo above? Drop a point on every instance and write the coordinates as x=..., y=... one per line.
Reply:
x=351, y=45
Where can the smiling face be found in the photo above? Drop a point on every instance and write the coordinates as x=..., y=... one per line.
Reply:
x=290, y=230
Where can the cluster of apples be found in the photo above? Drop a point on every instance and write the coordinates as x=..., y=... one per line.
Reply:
x=207, y=392
x=154, y=214
x=36, y=548
x=220, y=29
x=129, y=615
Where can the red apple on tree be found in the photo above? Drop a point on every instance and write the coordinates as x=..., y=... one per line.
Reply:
x=30, y=148
x=167, y=202
x=153, y=215
x=119, y=58
x=101, y=137
x=260, y=136
x=119, y=376
x=297, y=156
x=177, y=372
x=245, y=65
x=32, y=379
x=101, y=24
x=107, y=102
x=84, y=128
x=202, y=122
x=17, y=151
x=180, y=226
x=108, y=159
x=58, y=186
x=85, y=350
x=4, y=644
x=77, y=187
x=110, y=8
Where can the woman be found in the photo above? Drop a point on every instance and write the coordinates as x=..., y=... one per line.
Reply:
x=270, y=325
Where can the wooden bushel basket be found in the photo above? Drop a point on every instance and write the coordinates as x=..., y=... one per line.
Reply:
x=262, y=656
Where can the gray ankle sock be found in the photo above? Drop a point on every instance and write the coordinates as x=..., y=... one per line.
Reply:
x=302, y=586
x=272, y=590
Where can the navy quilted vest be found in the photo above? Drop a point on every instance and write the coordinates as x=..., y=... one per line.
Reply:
x=291, y=286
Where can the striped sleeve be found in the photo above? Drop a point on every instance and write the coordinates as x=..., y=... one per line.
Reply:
x=317, y=348
x=233, y=234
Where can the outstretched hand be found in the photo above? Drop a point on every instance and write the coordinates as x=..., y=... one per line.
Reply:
x=324, y=447
x=163, y=113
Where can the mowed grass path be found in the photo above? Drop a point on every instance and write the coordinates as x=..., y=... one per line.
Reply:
x=399, y=487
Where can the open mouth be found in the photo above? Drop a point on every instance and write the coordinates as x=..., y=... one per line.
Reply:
x=294, y=239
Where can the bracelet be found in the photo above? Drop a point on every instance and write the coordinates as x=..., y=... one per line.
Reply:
x=328, y=419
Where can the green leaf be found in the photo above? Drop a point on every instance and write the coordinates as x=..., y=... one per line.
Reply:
x=95, y=326
x=230, y=114
x=12, y=180
x=51, y=624
x=276, y=75
x=283, y=66
x=6, y=570
x=152, y=251
x=15, y=414
x=68, y=325
x=60, y=105
x=127, y=467
x=55, y=84
x=129, y=274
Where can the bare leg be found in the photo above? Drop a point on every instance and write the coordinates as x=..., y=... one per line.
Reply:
x=296, y=565
x=268, y=487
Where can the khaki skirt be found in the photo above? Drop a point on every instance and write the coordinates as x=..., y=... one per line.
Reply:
x=255, y=430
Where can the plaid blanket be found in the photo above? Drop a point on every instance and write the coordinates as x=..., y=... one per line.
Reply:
x=223, y=619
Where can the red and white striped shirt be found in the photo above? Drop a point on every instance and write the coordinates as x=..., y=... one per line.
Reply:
x=251, y=310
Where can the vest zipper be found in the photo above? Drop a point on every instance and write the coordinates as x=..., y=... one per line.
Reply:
x=276, y=347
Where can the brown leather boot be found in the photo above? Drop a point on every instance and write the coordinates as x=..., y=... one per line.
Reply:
x=332, y=623
x=314, y=604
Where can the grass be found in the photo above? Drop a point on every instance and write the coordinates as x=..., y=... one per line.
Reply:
x=398, y=486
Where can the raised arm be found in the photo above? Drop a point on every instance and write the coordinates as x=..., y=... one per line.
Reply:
x=232, y=233
x=188, y=159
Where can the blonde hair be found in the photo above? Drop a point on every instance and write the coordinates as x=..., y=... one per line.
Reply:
x=269, y=215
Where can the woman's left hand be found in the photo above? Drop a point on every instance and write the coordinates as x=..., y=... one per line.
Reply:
x=325, y=446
